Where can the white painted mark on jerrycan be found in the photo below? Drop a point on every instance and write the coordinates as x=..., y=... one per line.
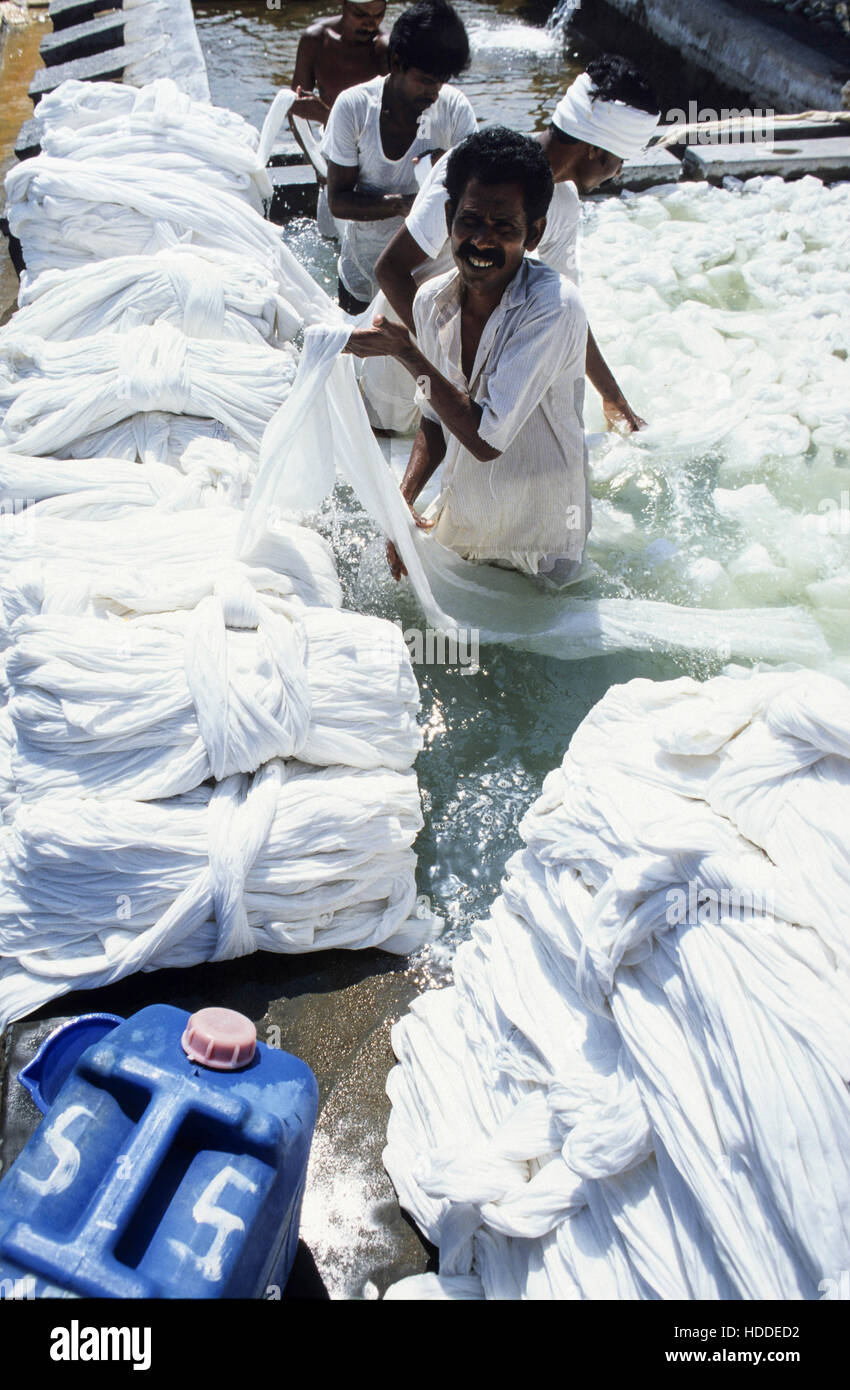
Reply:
x=207, y=1213
x=67, y=1154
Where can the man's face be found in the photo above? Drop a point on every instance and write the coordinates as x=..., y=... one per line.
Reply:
x=490, y=233
x=417, y=89
x=360, y=23
x=596, y=167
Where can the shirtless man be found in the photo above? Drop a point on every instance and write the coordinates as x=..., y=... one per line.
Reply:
x=377, y=131
x=337, y=53
x=499, y=362
x=608, y=114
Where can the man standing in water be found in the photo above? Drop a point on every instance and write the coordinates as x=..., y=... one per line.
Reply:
x=337, y=53
x=378, y=129
x=606, y=116
x=499, y=365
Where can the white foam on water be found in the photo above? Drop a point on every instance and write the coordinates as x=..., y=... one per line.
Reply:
x=514, y=37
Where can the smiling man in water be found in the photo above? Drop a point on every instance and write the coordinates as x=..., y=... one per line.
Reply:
x=377, y=130
x=606, y=116
x=499, y=363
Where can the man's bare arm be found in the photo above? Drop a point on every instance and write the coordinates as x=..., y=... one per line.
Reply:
x=345, y=203
x=614, y=403
x=458, y=412
x=394, y=273
x=309, y=104
x=426, y=455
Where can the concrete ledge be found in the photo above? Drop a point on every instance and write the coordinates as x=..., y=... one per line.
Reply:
x=827, y=159
x=655, y=165
x=296, y=192
x=64, y=13
x=28, y=142
x=83, y=40
x=102, y=67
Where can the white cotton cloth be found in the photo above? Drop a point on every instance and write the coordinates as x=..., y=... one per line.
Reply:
x=158, y=437
x=615, y=126
x=202, y=292
x=153, y=707
x=210, y=472
x=353, y=140
x=55, y=565
x=289, y=860
x=53, y=393
x=637, y=1087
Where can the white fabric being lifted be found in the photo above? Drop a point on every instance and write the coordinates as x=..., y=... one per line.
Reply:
x=324, y=421
x=637, y=1087
x=615, y=126
x=204, y=293
x=292, y=859
x=152, y=708
x=55, y=392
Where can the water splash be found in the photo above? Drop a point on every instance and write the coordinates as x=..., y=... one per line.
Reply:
x=562, y=17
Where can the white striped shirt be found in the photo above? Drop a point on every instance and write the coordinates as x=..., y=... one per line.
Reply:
x=532, y=502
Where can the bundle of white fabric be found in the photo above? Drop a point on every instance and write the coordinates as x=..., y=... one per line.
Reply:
x=155, y=436
x=289, y=860
x=68, y=213
x=84, y=107
x=152, y=708
x=637, y=1087
x=211, y=472
x=204, y=293
x=53, y=565
x=53, y=393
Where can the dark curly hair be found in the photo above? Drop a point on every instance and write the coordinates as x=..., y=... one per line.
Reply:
x=430, y=36
x=498, y=155
x=616, y=79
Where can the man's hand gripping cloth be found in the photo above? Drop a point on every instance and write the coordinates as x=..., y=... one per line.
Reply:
x=638, y=1086
x=153, y=707
x=292, y=859
x=322, y=429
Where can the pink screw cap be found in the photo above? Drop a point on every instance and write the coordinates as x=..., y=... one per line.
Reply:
x=220, y=1038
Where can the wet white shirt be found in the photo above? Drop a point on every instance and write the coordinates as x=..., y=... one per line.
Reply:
x=426, y=223
x=532, y=503
x=353, y=140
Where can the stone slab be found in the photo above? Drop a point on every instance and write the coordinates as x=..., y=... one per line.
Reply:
x=102, y=67
x=64, y=13
x=295, y=192
x=28, y=142
x=655, y=165
x=827, y=159
x=83, y=40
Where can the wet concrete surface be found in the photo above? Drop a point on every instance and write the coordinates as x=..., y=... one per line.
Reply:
x=334, y=1009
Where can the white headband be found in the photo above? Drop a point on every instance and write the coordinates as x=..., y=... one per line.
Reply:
x=611, y=125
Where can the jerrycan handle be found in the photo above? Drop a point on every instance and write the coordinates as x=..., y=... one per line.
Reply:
x=51, y=1066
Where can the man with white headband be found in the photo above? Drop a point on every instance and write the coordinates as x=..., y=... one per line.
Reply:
x=607, y=115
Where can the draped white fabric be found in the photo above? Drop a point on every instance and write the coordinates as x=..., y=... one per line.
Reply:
x=637, y=1086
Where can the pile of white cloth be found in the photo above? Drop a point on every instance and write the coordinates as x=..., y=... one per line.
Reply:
x=638, y=1085
x=54, y=565
x=292, y=859
x=208, y=471
x=204, y=293
x=152, y=708
x=155, y=436
x=54, y=393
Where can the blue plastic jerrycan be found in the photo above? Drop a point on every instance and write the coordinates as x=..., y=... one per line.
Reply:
x=170, y=1164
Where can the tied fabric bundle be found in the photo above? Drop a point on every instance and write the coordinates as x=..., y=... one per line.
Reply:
x=152, y=708
x=154, y=436
x=52, y=565
x=211, y=472
x=202, y=292
x=53, y=393
x=637, y=1087
x=289, y=860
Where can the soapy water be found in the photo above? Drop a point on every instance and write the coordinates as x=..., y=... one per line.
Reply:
x=725, y=314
